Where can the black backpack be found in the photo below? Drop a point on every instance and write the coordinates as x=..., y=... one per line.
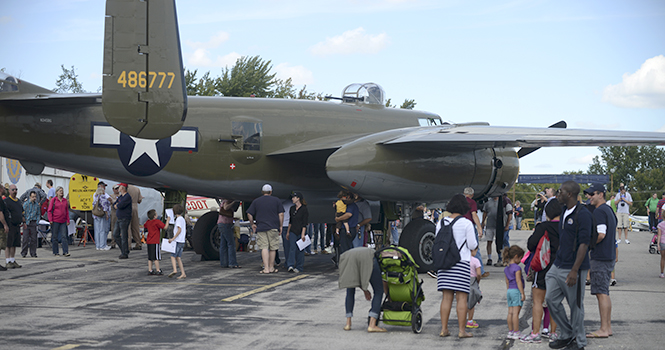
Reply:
x=445, y=252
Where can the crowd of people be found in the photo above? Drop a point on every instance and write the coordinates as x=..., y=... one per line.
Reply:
x=572, y=244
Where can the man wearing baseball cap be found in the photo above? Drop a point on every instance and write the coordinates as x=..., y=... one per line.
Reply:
x=602, y=258
x=269, y=214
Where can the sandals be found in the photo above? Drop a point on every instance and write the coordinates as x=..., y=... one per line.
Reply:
x=444, y=334
x=172, y=274
x=461, y=335
x=596, y=335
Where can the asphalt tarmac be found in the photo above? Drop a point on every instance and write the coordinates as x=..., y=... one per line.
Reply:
x=93, y=300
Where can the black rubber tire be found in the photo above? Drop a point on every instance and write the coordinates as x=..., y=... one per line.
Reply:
x=418, y=238
x=417, y=321
x=652, y=250
x=205, y=237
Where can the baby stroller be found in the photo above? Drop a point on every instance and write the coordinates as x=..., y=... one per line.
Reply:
x=653, y=245
x=401, y=306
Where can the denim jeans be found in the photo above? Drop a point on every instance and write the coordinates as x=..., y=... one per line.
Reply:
x=120, y=235
x=101, y=231
x=59, y=233
x=478, y=255
x=319, y=230
x=377, y=288
x=358, y=242
x=506, y=243
x=308, y=232
x=518, y=222
x=285, y=243
x=395, y=235
x=227, y=245
x=346, y=241
x=296, y=258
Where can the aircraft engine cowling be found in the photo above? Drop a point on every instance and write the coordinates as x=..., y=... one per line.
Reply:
x=419, y=173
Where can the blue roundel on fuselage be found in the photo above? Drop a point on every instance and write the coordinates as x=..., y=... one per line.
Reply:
x=143, y=157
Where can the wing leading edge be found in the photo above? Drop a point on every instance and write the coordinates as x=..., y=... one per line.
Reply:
x=478, y=136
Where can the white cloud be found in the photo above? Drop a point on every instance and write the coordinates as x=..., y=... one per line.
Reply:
x=662, y=129
x=298, y=74
x=214, y=41
x=586, y=160
x=643, y=89
x=351, y=42
x=201, y=58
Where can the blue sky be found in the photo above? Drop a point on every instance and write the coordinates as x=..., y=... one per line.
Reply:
x=595, y=64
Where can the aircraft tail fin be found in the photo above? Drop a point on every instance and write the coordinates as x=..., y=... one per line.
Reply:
x=144, y=92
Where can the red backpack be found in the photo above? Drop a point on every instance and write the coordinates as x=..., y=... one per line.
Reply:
x=542, y=255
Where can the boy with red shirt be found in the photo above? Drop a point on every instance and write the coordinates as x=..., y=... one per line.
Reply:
x=154, y=255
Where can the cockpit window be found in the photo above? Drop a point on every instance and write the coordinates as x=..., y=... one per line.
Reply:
x=8, y=83
x=368, y=93
x=430, y=121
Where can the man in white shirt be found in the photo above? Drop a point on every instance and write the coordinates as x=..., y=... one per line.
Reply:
x=623, y=201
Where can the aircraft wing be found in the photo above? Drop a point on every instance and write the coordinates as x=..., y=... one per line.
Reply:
x=51, y=99
x=483, y=136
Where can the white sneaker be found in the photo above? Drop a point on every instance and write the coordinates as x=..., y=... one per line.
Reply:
x=97, y=248
x=618, y=241
x=627, y=242
x=313, y=252
x=106, y=248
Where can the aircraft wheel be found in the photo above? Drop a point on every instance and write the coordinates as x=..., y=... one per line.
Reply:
x=418, y=238
x=205, y=238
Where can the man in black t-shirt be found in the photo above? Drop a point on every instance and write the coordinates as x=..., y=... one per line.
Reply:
x=602, y=258
x=15, y=209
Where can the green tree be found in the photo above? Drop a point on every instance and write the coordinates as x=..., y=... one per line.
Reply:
x=408, y=104
x=205, y=86
x=283, y=89
x=68, y=81
x=641, y=168
x=249, y=76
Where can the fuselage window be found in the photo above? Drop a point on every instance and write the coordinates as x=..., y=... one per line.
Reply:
x=249, y=133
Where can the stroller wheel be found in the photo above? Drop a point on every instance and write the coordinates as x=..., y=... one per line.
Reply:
x=417, y=321
x=652, y=250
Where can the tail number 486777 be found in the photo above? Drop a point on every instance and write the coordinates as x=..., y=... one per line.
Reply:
x=133, y=79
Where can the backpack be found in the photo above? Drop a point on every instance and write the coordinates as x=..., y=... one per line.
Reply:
x=445, y=252
x=542, y=255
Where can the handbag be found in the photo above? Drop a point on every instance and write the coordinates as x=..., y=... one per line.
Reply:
x=97, y=208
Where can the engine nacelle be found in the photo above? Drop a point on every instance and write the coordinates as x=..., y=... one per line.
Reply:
x=397, y=173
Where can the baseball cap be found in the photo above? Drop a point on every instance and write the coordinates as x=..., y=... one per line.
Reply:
x=596, y=187
x=101, y=183
x=122, y=184
x=296, y=194
x=266, y=188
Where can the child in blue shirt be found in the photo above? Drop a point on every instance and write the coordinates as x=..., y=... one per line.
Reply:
x=515, y=285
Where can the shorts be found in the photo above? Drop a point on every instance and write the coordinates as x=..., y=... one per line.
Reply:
x=514, y=297
x=662, y=247
x=14, y=236
x=623, y=220
x=600, y=274
x=489, y=234
x=154, y=253
x=3, y=239
x=268, y=239
x=178, y=249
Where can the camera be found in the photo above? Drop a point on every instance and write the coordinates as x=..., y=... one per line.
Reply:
x=623, y=204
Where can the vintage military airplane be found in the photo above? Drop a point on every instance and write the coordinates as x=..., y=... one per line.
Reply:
x=143, y=129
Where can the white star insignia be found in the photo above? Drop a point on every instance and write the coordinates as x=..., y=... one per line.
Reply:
x=143, y=146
